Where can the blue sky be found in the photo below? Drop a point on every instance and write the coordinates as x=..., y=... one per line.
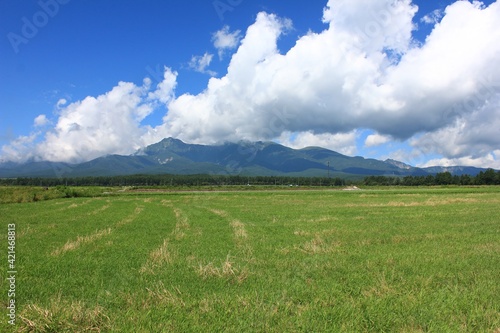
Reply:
x=360, y=78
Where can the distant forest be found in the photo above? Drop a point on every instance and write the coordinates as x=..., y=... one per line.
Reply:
x=488, y=177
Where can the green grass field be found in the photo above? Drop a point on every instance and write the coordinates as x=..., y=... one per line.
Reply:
x=375, y=260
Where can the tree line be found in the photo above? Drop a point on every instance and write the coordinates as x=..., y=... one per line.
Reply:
x=176, y=181
x=488, y=177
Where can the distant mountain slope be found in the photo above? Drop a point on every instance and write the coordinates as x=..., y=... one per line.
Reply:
x=246, y=158
x=455, y=170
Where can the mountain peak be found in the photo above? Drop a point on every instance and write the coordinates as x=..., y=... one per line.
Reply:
x=398, y=164
x=170, y=142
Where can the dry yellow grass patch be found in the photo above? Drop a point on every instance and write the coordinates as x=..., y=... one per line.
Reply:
x=210, y=270
x=63, y=316
x=226, y=270
x=74, y=205
x=131, y=217
x=318, y=245
x=166, y=203
x=239, y=229
x=449, y=201
x=205, y=305
x=401, y=239
x=489, y=248
x=364, y=242
x=429, y=202
x=380, y=290
x=100, y=210
x=404, y=204
x=79, y=241
x=181, y=225
x=157, y=258
x=159, y=295
x=301, y=233
x=24, y=232
x=219, y=212
x=322, y=219
x=324, y=232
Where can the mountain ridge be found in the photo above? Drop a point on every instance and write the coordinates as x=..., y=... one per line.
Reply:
x=261, y=158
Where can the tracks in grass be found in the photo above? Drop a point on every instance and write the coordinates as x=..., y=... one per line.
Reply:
x=239, y=230
x=102, y=209
x=229, y=268
x=73, y=244
x=164, y=254
x=181, y=225
x=130, y=218
x=81, y=240
x=240, y=234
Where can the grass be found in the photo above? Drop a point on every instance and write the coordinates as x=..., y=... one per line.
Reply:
x=24, y=194
x=376, y=260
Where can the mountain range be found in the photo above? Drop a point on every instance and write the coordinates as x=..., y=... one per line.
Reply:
x=172, y=156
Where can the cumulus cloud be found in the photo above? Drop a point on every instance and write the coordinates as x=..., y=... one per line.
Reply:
x=164, y=92
x=344, y=143
x=19, y=149
x=373, y=140
x=61, y=102
x=96, y=126
x=41, y=120
x=491, y=160
x=364, y=70
x=200, y=64
x=471, y=137
x=433, y=17
x=224, y=40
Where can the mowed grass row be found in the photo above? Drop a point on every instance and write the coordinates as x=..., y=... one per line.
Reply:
x=401, y=260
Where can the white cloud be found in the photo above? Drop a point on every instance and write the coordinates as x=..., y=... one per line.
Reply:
x=344, y=143
x=165, y=89
x=224, y=40
x=433, y=17
x=373, y=140
x=412, y=157
x=61, y=102
x=19, y=149
x=96, y=126
x=488, y=161
x=372, y=25
x=41, y=120
x=472, y=138
x=200, y=64
x=325, y=83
